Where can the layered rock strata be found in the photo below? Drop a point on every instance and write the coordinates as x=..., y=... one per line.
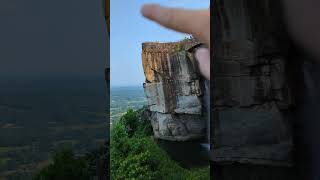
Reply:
x=252, y=93
x=174, y=90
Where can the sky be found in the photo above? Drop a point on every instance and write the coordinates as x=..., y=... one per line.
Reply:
x=129, y=30
x=52, y=39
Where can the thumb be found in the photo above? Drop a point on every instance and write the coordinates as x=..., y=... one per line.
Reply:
x=203, y=58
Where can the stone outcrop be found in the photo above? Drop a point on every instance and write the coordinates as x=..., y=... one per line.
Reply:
x=251, y=101
x=174, y=90
x=251, y=93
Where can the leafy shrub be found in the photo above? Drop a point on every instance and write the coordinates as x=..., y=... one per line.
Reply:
x=139, y=166
x=129, y=121
x=135, y=155
x=135, y=124
x=65, y=166
x=144, y=127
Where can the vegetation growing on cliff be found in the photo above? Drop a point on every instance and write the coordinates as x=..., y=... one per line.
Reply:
x=135, y=155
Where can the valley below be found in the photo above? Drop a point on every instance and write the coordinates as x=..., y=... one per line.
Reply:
x=37, y=118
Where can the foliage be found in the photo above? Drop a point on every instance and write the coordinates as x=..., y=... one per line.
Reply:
x=65, y=166
x=133, y=124
x=135, y=155
x=129, y=121
x=178, y=47
x=144, y=127
x=181, y=45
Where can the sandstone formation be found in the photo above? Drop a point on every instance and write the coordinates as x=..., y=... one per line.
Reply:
x=251, y=93
x=174, y=90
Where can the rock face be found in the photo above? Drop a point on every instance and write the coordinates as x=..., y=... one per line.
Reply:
x=252, y=94
x=174, y=90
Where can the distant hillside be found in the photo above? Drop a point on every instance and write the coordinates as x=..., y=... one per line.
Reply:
x=39, y=117
x=125, y=97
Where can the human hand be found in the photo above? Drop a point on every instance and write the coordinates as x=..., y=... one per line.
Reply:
x=195, y=22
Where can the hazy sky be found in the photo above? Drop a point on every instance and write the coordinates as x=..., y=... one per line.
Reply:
x=56, y=39
x=129, y=29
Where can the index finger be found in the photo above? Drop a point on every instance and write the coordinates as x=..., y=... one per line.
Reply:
x=177, y=19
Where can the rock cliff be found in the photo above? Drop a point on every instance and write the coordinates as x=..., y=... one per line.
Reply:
x=252, y=98
x=174, y=90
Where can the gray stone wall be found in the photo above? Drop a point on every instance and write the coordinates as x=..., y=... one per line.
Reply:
x=174, y=91
x=252, y=97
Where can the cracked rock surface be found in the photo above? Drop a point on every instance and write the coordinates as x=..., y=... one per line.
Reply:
x=174, y=90
x=252, y=94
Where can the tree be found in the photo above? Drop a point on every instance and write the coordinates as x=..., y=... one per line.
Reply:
x=65, y=166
